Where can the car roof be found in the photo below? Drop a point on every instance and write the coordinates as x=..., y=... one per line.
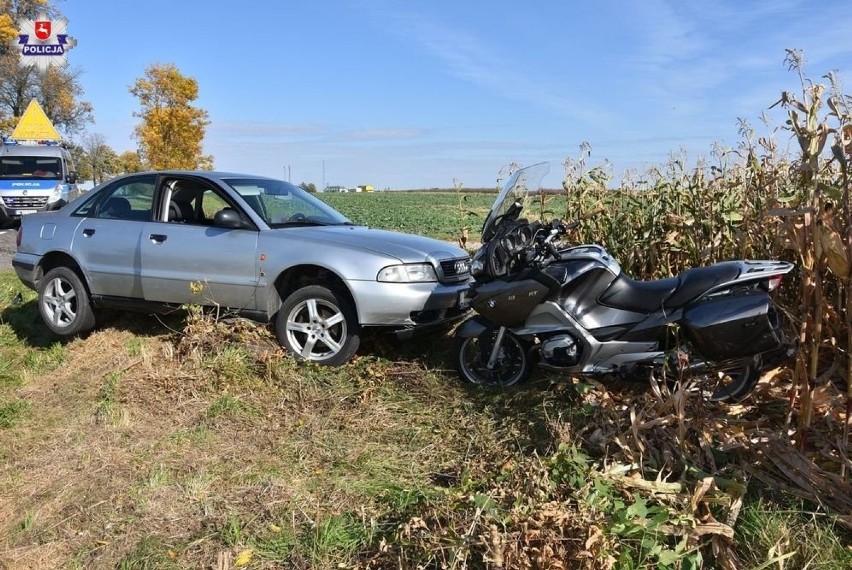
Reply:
x=214, y=174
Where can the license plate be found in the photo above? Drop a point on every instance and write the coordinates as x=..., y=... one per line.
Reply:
x=463, y=299
x=25, y=212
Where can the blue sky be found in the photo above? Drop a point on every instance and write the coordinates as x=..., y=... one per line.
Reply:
x=414, y=94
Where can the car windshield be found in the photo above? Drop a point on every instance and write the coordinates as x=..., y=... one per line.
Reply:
x=30, y=167
x=282, y=204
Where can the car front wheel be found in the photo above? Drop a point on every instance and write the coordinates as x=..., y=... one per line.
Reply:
x=318, y=325
x=63, y=302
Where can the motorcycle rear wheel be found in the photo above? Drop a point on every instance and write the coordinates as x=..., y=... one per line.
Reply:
x=730, y=384
x=472, y=354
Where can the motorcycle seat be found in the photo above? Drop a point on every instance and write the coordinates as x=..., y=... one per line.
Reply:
x=697, y=281
x=638, y=296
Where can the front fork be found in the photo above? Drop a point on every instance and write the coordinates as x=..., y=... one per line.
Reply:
x=495, y=350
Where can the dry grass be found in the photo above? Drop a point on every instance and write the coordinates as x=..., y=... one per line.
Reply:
x=168, y=441
x=209, y=448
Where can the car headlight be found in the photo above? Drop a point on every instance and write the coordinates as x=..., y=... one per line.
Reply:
x=55, y=195
x=410, y=273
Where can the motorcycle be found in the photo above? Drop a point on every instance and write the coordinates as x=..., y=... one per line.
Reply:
x=573, y=310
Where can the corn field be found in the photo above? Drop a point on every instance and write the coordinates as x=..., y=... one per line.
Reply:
x=752, y=202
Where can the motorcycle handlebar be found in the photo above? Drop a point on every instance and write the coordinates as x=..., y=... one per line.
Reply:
x=552, y=250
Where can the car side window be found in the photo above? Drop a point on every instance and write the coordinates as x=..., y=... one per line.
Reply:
x=127, y=200
x=191, y=202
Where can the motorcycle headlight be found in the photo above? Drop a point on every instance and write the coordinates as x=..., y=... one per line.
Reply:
x=477, y=264
x=408, y=273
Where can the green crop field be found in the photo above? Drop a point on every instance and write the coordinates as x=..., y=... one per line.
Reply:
x=438, y=214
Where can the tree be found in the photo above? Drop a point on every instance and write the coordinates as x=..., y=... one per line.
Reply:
x=308, y=187
x=81, y=163
x=172, y=130
x=127, y=162
x=98, y=161
x=58, y=90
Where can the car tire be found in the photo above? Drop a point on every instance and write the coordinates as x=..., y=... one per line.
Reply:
x=63, y=302
x=318, y=325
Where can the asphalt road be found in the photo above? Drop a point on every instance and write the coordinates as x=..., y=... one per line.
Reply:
x=7, y=248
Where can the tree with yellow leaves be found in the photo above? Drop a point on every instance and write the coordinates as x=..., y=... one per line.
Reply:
x=172, y=130
x=57, y=89
x=127, y=162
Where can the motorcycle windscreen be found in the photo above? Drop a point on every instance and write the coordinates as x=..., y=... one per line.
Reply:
x=733, y=327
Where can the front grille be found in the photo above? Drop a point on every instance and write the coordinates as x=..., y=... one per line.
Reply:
x=18, y=202
x=455, y=270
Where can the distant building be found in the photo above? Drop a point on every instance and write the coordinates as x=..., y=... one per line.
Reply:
x=335, y=189
x=365, y=188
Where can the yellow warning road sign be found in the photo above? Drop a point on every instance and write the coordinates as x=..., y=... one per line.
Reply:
x=34, y=125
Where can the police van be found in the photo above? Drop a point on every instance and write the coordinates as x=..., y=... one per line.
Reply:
x=34, y=178
x=36, y=174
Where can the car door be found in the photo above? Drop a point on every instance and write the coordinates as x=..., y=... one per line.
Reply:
x=187, y=259
x=106, y=242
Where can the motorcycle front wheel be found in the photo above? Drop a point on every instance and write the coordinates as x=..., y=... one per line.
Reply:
x=472, y=355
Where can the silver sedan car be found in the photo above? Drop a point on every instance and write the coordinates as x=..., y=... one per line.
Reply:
x=258, y=246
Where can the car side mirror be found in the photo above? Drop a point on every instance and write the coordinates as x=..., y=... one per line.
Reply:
x=71, y=178
x=228, y=218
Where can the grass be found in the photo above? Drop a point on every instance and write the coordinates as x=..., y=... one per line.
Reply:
x=13, y=412
x=776, y=527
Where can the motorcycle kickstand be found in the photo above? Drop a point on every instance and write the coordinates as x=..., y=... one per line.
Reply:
x=492, y=360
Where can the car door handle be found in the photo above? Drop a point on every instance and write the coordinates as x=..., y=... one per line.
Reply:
x=88, y=232
x=158, y=238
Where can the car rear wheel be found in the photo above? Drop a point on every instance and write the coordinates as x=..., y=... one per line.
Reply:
x=318, y=325
x=63, y=302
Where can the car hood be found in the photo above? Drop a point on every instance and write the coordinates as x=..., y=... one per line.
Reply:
x=407, y=248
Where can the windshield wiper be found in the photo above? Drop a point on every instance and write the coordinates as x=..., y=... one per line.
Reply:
x=295, y=223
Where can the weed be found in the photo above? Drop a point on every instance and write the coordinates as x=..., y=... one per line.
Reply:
x=232, y=532
x=13, y=412
x=135, y=346
x=10, y=374
x=570, y=466
x=27, y=522
x=334, y=540
x=46, y=360
x=230, y=406
x=195, y=436
x=771, y=529
x=150, y=553
x=158, y=476
x=276, y=543
x=107, y=410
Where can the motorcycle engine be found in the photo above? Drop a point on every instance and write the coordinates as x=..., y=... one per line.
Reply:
x=560, y=350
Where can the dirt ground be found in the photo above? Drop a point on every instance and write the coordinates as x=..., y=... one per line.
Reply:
x=7, y=247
